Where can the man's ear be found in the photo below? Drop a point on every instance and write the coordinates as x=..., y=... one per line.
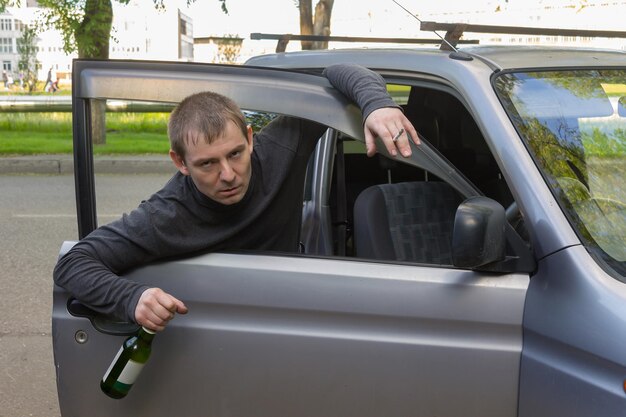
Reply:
x=179, y=161
x=250, y=138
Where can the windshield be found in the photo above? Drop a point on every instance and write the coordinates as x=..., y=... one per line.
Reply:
x=574, y=123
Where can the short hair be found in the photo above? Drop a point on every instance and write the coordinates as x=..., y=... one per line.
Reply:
x=202, y=114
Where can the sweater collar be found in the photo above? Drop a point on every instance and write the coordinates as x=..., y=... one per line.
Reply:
x=217, y=206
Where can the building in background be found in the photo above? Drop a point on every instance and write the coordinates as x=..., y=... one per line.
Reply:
x=10, y=31
x=219, y=49
x=139, y=32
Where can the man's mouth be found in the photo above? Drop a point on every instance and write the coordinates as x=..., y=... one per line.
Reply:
x=228, y=192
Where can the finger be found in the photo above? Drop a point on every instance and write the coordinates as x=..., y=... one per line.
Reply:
x=413, y=133
x=169, y=306
x=152, y=326
x=390, y=144
x=173, y=304
x=146, y=318
x=370, y=146
x=386, y=136
x=156, y=320
x=179, y=306
x=154, y=308
x=401, y=141
x=156, y=302
x=154, y=312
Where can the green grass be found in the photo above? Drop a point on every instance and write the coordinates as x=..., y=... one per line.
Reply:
x=51, y=133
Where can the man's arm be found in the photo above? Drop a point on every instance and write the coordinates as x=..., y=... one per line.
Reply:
x=89, y=272
x=382, y=116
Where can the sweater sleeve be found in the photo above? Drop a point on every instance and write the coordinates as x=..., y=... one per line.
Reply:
x=89, y=271
x=364, y=87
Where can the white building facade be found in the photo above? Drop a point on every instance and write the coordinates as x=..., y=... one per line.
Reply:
x=139, y=32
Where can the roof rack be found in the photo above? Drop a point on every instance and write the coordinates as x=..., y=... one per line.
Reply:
x=454, y=31
x=283, y=39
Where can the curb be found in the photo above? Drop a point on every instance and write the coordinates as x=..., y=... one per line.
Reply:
x=64, y=165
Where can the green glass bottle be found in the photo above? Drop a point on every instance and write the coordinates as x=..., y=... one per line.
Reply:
x=127, y=364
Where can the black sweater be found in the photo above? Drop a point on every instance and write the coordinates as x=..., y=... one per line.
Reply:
x=179, y=220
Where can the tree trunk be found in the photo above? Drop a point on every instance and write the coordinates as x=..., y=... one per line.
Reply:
x=321, y=22
x=92, y=39
x=315, y=25
x=306, y=22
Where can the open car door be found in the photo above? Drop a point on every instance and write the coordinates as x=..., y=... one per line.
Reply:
x=287, y=334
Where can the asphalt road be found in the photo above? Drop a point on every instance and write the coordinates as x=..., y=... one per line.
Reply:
x=38, y=213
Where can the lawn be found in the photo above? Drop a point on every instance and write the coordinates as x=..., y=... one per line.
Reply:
x=51, y=133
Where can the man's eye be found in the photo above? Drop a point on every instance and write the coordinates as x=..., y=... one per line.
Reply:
x=235, y=154
x=206, y=164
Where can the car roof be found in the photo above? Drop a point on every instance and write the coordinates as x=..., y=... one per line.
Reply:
x=410, y=59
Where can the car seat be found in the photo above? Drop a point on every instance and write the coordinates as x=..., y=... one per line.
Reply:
x=408, y=221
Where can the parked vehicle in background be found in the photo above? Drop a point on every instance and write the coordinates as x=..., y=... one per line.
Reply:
x=483, y=276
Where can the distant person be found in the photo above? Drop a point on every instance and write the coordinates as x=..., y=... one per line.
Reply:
x=5, y=79
x=48, y=80
x=9, y=82
x=233, y=190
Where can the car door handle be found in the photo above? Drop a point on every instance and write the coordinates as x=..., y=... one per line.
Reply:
x=102, y=323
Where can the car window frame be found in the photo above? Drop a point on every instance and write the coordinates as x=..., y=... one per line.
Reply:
x=170, y=82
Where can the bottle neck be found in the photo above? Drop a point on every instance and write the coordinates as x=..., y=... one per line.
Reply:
x=146, y=334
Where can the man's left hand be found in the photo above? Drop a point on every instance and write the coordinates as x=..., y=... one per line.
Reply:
x=393, y=128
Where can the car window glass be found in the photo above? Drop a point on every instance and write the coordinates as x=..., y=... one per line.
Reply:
x=572, y=124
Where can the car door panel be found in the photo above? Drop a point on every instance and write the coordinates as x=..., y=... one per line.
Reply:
x=270, y=335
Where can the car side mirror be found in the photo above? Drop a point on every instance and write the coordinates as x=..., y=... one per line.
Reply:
x=478, y=237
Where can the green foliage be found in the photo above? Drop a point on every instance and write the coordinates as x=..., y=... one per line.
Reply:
x=27, y=64
x=64, y=16
x=85, y=25
x=160, y=4
x=602, y=144
x=258, y=120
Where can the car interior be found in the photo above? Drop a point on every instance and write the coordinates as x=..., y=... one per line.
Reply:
x=386, y=210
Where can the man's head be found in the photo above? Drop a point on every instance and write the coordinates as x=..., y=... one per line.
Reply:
x=211, y=142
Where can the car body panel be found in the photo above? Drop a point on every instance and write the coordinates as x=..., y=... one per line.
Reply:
x=271, y=335
x=574, y=336
x=412, y=59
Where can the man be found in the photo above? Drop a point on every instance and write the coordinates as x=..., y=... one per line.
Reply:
x=232, y=191
x=48, y=80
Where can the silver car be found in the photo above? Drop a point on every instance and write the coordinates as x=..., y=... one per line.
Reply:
x=483, y=276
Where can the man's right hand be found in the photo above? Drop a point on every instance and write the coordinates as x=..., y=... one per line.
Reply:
x=156, y=308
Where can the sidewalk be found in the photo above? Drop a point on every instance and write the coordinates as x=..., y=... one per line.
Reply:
x=64, y=164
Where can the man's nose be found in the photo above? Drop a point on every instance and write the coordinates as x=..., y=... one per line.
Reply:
x=227, y=174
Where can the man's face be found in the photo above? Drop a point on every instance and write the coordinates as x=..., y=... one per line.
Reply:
x=222, y=169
